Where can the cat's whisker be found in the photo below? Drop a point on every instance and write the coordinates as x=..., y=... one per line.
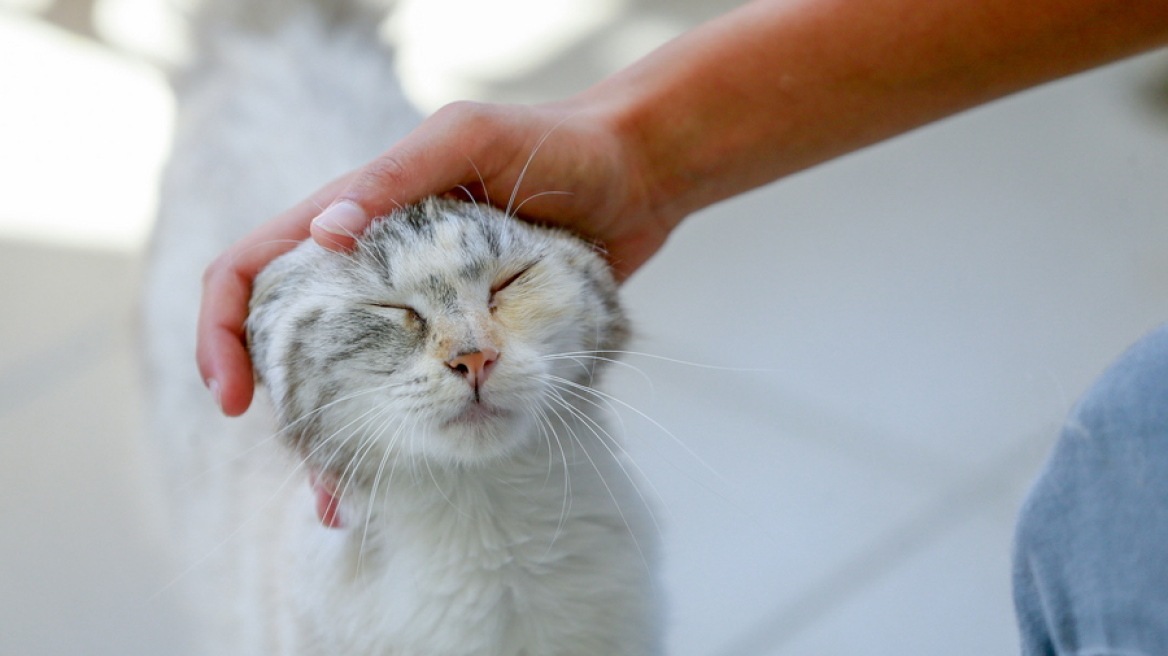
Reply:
x=535, y=411
x=328, y=406
x=338, y=445
x=578, y=356
x=388, y=445
x=332, y=438
x=549, y=432
x=386, y=456
x=272, y=436
x=538, y=413
x=482, y=182
x=530, y=158
x=291, y=243
x=260, y=510
x=466, y=190
x=272, y=242
x=438, y=486
x=610, y=444
x=190, y=481
x=393, y=470
x=612, y=399
x=540, y=195
x=348, y=476
x=668, y=359
x=557, y=381
x=375, y=437
x=604, y=481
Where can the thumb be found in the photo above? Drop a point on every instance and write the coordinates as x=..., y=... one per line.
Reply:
x=429, y=161
x=374, y=190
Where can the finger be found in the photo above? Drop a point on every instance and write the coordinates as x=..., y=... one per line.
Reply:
x=221, y=350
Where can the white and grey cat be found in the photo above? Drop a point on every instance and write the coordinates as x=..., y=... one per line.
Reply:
x=433, y=476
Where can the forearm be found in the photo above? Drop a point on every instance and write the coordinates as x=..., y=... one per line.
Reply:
x=781, y=85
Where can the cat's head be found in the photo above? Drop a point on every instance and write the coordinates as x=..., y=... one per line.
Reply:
x=446, y=335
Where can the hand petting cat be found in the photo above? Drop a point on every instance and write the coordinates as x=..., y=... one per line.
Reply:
x=559, y=164
x=566, y=164
x=769, y=89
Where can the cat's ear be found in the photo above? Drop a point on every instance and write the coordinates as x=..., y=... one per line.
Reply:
x=271, y=291
x=278, y=278
x=265, y=289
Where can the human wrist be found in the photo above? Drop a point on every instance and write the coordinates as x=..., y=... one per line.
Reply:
x=708, y=115
x=650, y=148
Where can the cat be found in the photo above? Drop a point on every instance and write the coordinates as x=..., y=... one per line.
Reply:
x=428, y=471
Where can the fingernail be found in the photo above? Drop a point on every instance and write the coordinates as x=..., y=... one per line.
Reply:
x=344, y=218
x=213, y=387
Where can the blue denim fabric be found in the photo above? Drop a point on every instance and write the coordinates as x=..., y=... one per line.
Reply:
x=1091, y=552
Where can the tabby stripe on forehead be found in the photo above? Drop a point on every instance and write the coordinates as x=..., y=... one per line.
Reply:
x=486, y=233
x=441, y=292
x=382, y=266
x=419, y=221
x=473, y=270
x=494, y=245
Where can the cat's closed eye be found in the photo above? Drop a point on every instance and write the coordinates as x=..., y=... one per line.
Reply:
x=411, y=316
x=507, y=282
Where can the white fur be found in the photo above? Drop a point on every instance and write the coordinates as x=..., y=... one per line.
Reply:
x=544, y=548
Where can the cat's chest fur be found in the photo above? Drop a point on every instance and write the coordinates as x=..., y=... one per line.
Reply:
x=531, y=557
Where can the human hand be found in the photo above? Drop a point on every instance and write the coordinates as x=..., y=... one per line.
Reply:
x=566, y=164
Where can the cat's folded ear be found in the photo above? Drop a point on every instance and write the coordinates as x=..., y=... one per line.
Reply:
x=272, y=295
x=267, y=288
x=281, y=276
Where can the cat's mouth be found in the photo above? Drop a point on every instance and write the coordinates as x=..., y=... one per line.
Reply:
x=478, y=413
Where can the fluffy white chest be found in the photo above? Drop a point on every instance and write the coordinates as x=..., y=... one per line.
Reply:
x=484, y=564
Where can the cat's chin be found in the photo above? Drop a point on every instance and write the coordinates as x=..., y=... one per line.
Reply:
x=479, y=415
x=481, y=433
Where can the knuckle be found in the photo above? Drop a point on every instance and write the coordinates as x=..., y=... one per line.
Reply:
x=462, y=129
x=469, y=122
x=388, y=170
x=463, y=111
x=223, y=272
x=215, y=270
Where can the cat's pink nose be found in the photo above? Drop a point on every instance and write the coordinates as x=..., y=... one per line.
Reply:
x=474, y=365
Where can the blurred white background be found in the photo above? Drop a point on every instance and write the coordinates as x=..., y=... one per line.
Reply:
x=897, y=334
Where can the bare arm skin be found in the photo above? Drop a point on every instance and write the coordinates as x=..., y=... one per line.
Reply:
x=767, y=90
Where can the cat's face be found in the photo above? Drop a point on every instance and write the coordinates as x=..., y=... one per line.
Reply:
x=447, y=335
